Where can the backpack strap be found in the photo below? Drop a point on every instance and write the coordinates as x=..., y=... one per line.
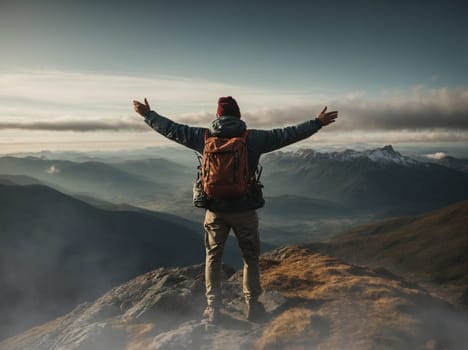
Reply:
x=244, y=136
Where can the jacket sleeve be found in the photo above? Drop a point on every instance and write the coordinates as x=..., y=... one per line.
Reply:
x=271, y=140
x=188, y=136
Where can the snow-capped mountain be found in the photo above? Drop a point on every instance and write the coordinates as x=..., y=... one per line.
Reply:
x=379, y=179
x=384, y=155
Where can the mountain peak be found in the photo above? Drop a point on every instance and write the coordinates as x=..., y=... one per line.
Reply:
x=313, y=301
x=388, y=148
x=387, y=154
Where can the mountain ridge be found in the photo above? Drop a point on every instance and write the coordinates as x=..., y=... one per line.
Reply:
x=384, y=155
x=429, y=248
x=314, y=301
x=48, y=236
x=385, y=188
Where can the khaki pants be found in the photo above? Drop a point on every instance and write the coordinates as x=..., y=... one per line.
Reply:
x=245, y=227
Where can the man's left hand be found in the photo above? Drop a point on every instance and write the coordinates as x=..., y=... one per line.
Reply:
x=140, y=108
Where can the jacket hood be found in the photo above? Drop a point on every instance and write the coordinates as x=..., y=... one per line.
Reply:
x=226, y=126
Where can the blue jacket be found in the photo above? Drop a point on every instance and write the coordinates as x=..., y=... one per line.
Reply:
x=258, y=142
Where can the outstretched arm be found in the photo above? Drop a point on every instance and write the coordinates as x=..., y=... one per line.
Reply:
x=188, y=136
x=271, y=140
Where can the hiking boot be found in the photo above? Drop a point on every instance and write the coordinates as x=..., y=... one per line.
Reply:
x=212, y=314
x=255, y=311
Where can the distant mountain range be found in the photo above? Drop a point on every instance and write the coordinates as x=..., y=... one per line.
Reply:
x=431, y=248
x=452, y=163
x=309, y=194
x=128, y=181
x=56, y=251
x=175, y=153
x=381, y=181
x=18, y=180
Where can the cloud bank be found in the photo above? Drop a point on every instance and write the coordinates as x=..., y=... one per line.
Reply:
x=78, y=102
x=417, y=109
x=77, y=126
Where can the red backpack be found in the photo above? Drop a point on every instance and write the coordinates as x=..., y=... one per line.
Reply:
x=225, y=168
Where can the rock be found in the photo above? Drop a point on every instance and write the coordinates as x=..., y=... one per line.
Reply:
x=272, y=300
x=313, y=301
x=186, y=336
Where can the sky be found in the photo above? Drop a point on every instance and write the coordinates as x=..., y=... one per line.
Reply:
x=397, y=71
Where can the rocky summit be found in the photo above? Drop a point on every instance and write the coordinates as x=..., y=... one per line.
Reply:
x=314, y=302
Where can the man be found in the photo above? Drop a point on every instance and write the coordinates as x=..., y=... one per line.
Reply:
x=239, y=214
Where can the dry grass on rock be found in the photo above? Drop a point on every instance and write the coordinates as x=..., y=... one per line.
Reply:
x=340, y=306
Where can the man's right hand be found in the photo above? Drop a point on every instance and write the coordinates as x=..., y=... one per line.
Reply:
x=327, y=117
x=140, y=108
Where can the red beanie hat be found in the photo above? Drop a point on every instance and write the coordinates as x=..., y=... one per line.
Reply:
x=228, y=106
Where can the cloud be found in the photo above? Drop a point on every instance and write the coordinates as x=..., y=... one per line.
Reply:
x=420, y=108
x=78, y=126
x=75, y=90
x=437, y=155
x=416, y=110
x=389, y=137
x=445, y=109
x=53, y=170
x=57, y=100
x=87, y=102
